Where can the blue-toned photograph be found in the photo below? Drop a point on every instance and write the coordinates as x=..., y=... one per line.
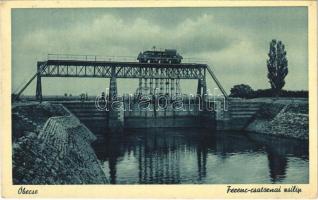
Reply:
x=160, y=95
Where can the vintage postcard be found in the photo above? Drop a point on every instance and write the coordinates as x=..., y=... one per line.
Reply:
x=159, y=99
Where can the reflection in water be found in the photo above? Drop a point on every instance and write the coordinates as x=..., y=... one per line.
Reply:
x=158, y=159
x=277, y=166
x=278, y=151
x=173, y=156
x=202, y=153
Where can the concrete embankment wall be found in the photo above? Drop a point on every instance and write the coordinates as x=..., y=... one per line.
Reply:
x=96, y=120
x=236, y=115
x=59, y=154
x=169, y=119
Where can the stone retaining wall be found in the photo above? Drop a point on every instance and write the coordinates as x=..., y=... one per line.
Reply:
x=60, y=154
x=286, y=120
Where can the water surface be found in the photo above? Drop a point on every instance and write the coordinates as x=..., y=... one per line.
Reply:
x=191, y=156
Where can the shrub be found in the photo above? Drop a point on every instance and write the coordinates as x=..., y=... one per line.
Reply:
x=245, y=91
x=242, y=91
x=283, y=93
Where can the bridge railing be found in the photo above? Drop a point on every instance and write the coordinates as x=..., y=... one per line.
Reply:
x=90, y=57
x=109, y=58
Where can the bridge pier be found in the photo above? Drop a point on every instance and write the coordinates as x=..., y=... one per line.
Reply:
x=202, y=90
x=113, y=85
x=115, y=118
x=38, y=93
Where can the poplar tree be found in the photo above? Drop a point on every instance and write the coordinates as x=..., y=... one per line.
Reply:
x=277, y=66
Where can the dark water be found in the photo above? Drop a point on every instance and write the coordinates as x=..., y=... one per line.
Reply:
x=175, y=156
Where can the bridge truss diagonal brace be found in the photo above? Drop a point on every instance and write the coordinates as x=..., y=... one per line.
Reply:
x=217, y=82
x=40, y=68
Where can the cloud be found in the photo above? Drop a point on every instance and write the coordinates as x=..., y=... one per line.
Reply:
x=112, y=35
x=232, y=40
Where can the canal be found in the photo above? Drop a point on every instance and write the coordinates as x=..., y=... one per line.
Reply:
x=192, y=156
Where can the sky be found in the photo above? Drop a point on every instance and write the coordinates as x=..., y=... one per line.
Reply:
x=233, y=41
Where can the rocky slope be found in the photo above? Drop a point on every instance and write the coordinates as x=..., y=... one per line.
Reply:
x=286, y=120
x=56, y=152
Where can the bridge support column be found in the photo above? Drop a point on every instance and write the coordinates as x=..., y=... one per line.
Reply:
x=199, y=87
x=113, y=85
x=178, y=89
x=140, y=87
x=202, y=89
x=223, y=114
x=156, y=85
x=38, y=93
x=161, y=86
x=204, y=85
x=204, y=92
x=145, y=87
x=172, y=84
x=115, y=117
x=151, y=86
x=207, y=116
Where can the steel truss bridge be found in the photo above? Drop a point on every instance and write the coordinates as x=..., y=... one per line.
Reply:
x=107, y=69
